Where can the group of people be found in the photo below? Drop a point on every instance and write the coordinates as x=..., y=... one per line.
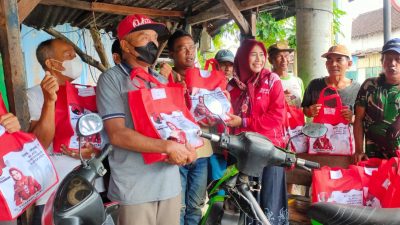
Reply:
x=174, y=191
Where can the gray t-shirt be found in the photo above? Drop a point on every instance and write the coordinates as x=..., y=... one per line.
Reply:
x=132, y=182
x=348, y=95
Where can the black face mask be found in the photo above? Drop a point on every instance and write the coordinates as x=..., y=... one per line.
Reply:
x=147, y=53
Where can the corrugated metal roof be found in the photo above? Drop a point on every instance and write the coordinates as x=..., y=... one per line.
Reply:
x=45, y=16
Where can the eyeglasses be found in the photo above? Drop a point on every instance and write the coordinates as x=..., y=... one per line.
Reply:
x=186, y=48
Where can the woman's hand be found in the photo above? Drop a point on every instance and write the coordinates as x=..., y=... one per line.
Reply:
x=10, y=123
x=235, y=121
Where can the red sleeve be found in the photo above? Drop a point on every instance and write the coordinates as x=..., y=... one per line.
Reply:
x=17, y=198
x=36, y=185
x=273, y=117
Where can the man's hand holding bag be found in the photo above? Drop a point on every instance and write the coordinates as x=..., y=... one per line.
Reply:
x=339, y=138
x=160, y=112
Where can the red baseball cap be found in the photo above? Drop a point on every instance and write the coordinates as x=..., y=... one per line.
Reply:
x=138, y=22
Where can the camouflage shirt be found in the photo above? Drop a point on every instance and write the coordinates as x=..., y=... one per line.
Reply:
x=382, y=121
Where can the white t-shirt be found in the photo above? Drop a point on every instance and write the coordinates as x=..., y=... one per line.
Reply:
x=295, y=86
x=62, y=163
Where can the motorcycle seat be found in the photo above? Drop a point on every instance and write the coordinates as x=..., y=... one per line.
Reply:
x=339, y=214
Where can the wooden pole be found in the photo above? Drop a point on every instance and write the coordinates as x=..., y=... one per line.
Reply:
x=98, y=45
x=13, y=61
x=236, y=15
x=162, y=46
x=85, y=57
x=251, y=18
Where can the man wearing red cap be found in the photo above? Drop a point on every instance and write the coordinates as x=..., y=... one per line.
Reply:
x=148, y=193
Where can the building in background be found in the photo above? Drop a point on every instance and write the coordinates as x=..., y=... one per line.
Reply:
x=367, y=41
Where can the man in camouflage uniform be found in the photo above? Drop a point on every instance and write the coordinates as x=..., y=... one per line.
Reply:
x=377, y=108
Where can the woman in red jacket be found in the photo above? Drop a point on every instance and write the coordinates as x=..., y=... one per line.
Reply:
x=258, y=102
x=24, y=187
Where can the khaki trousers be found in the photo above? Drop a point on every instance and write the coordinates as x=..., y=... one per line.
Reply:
x=165, y=212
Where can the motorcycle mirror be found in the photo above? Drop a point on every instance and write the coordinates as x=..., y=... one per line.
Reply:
x=314, y=130
x=89, y=124
x=213, y=105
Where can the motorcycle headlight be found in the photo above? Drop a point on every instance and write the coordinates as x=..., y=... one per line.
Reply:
x=73, y=192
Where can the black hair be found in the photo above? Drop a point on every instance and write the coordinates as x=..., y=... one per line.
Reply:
x=116, y=48
x=175, y=36
x=45, y=51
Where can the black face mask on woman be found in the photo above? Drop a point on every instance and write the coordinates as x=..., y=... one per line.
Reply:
x=147, y=53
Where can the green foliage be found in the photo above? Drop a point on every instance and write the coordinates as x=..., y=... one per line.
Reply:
x=337, y=13
x=291, y=31
x=268, y=30
x=228, y=31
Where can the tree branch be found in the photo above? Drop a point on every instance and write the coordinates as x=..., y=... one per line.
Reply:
x=98, y=45
x=85, y=57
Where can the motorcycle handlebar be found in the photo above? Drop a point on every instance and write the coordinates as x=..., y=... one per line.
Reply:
x=307, y=163
x=299, y=162
x=106, y=150
x=209, y=136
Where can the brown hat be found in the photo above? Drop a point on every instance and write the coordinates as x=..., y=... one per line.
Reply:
x=337, y=49
x=279, y=47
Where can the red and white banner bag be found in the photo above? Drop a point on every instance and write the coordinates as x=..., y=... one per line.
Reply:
x=74, y=101
x=26, y=171
x=161, y=112
x=384, y=187
x=339, y=139
x=203, y=84
x=294, y=124
x=365, y=169
x=337, y=185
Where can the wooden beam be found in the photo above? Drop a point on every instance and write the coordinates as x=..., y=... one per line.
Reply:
x=235, y=13
x=13, y=62
x=25, y=7
x=85, y=57
x=128, y=10
x=251, y=18
x=219, y=11
x=98, y=45
x=112, y=8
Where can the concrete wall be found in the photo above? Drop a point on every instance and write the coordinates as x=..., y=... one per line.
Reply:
x=314, y=37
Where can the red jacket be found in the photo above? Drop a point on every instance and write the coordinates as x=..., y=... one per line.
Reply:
x=25, y=188
x=267, y=107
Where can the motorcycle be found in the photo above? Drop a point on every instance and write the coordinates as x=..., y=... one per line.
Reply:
x=252, y=152
x=76, y=200
x=338, y=214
